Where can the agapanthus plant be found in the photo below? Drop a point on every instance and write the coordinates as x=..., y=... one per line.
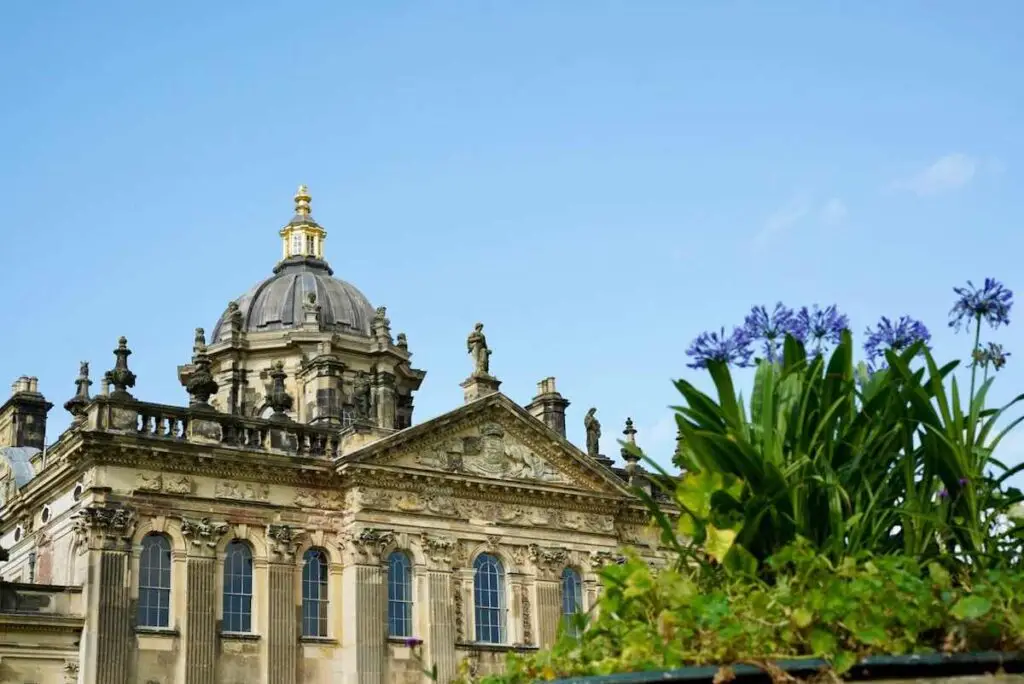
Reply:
x=769, y=330
x=890, y=336
x=733, y=349
x=819, y=329
x=988, y=304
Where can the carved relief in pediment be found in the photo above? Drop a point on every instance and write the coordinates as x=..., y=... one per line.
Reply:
x=490, y=452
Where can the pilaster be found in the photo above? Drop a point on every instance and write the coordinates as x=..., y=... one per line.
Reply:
x=200, y=629
x=549, y=563
x=108, y=642
x=283, y=628
x=364, y=621
x=442, y=608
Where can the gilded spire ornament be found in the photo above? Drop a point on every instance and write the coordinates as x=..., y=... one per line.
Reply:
x=302, y=200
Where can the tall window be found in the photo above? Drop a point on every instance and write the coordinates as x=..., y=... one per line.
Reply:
x=238, y=588
x=572, y=599
x=314, y=593
x=489, y=599
x=399, y=595
x=155, y=582
x=296, y=244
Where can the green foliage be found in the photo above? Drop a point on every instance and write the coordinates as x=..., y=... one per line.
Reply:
x=852, y=462
x=840, y=612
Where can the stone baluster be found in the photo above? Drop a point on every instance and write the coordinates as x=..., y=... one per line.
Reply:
x=109, y=643
x=441, y=607
x=364, y=629
x=200, y=628
x=283, y=628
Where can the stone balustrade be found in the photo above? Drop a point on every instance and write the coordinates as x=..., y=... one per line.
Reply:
x=177, y=424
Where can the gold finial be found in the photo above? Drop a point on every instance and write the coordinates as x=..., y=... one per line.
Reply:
x=302, y=201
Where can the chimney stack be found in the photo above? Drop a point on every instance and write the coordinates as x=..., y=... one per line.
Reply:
x=549, y=406
x=23, y=416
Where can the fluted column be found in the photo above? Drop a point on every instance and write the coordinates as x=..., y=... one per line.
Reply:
x=364, y=623
x=108, y=641
x=441, y=606
x=283, y=630
x=199, y=631
x=549, y=562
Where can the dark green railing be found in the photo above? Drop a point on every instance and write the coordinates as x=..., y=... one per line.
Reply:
x=874, y=668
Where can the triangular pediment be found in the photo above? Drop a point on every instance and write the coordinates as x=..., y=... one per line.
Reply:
x=492, y=439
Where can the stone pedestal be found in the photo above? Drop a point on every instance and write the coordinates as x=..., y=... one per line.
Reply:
x=477, y=386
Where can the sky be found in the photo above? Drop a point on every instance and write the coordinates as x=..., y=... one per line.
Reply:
x=597, y=182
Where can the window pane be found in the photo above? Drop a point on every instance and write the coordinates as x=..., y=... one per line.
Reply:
x=314, y=593
x=399, y=595
x=238, y=588
x=572, y=599
x=489, y=599
x=154, y=582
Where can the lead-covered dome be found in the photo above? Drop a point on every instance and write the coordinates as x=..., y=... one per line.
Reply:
x=280, y=301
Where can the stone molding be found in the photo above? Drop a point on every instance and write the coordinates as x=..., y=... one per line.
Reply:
x=367, y=546
x=283, y=541
x=439, y=550
x=550, y=562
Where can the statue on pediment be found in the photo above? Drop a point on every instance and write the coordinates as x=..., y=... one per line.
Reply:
x=593, y=428
x=476, y=346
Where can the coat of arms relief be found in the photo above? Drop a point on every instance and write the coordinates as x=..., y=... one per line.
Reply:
x=490, y=453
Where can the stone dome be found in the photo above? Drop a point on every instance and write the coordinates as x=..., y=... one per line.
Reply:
x=277, y=302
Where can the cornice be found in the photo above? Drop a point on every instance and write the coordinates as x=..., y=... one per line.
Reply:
x=40, y=622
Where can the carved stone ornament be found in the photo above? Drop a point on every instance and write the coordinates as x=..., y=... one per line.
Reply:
x=369, y=544
x=491, y=454
x=599, y=559
x=284, y=540
x=460, y=618
x=331, y=500
x=241, y=491
x=156, y=482
x=527, y=616
x=111, y=526
x=549, y=562
x=120, y=376
x=439, y=549
x=203, y=532
x=70, y=671
x=182, y=484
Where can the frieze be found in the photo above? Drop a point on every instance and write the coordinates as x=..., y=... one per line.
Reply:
x=331, y=499
x=284, y=540
x=203, y=533
x=111, y=526
x=443, y=504
x=156, y=482
x=242, y=491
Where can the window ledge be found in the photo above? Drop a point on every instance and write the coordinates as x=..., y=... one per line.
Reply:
x=157, y=631
x=319, y=640
x=496, y=648
x=405, y=641
x=240, y=636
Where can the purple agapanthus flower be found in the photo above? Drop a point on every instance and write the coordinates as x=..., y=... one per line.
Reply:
x=991, y=354
x=990, y=303
x=770, y=329
x=894, y=336
x=818, y=328
x=732, y=349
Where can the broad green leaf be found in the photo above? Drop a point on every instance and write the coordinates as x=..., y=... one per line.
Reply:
x=971, y=607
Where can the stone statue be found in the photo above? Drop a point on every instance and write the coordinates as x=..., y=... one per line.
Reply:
x=476, y=345
x=199, y=342
x=593, y=428
x=83, y=369
x=361, y=396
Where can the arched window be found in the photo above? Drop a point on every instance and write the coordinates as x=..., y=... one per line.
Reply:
x=314, y=593
x=238, y=588
x=489, y=599
x=155, y=582
x=572, y=599
x=399, y=595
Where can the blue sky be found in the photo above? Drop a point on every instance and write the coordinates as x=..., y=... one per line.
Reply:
x=595, y=181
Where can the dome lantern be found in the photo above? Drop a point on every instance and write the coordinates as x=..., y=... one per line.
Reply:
x=302, y=237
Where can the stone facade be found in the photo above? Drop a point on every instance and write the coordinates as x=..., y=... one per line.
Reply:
x=292, y=525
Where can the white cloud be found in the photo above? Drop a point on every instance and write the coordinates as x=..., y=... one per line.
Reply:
x=834, y=212
x=948, y=173
x=782, y=220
